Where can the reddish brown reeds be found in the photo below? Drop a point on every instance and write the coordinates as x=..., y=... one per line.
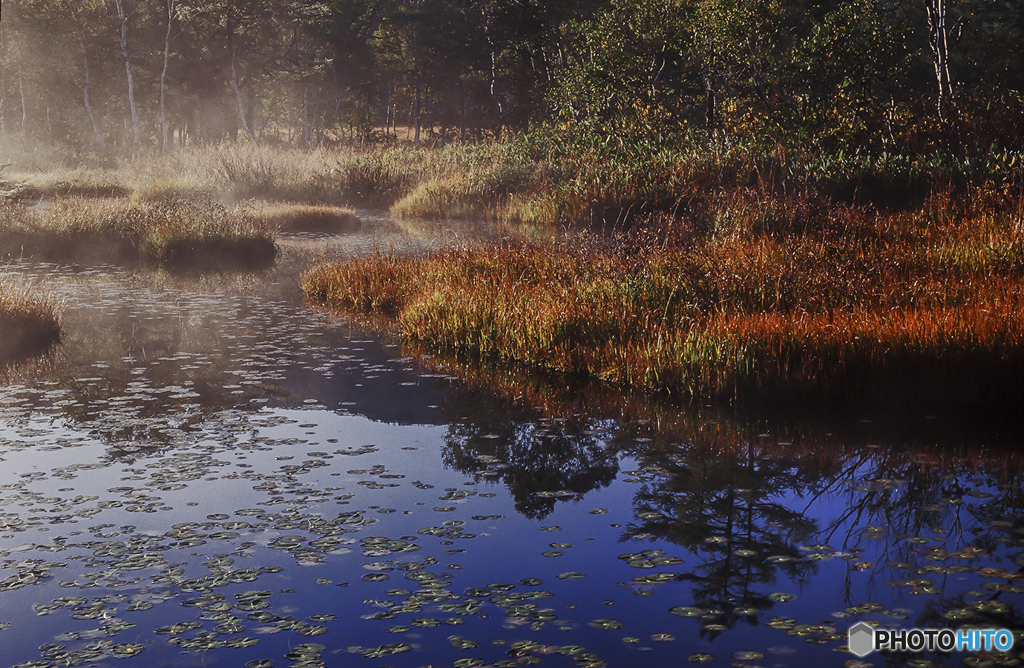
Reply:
x=848, y=303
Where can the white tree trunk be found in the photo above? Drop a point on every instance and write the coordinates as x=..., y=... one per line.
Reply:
x=128, y=70
x=24, y=109
x=938, y=40
x=163, y=78
x=88, y=103
x=238, y=96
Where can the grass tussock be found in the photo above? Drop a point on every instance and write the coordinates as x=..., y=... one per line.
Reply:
x=306, y=218
x=175, y=234
x=28, y=324
x=774, y=297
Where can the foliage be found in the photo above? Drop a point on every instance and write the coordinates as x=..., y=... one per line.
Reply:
x=839, y=77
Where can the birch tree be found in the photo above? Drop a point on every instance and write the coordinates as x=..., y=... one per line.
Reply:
x=171, y=6
x=938, y=42
x=128, y=70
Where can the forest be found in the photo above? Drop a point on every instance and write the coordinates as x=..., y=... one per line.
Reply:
x=850, y=80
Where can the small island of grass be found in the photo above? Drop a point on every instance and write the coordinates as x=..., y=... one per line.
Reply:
x=28, y=326
x=177, y=234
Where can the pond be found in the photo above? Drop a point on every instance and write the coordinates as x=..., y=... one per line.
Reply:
x=209, y=473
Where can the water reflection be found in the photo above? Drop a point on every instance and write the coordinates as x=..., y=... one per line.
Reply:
x=540, y=460
x=727, y=509
x=210, y=442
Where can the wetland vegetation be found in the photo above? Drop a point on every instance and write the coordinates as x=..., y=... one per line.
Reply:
x=175, y=234
x=571, y=332
x=28, y=323
x=841, y=303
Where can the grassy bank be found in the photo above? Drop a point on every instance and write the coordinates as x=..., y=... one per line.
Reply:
x=775, y=296
x=175, y=234
x=541, y=178
x=28, y=325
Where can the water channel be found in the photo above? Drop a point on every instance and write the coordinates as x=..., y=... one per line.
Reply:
x=209, y=473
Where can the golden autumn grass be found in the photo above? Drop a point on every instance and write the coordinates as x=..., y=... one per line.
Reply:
x=777, y=297
x=28, y=325
x=305, y=217
x=174, y=233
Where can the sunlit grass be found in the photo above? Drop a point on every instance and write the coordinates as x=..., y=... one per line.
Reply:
x=172, y=233
x=28, y=322
x=34, y=186
x=844, y=303
x=305, y=217
x=538, y=178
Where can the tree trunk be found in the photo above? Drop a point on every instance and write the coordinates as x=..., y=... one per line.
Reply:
x=163, y=79
x=128, y=70
x=238, y=96
x=307, y=136
x=494, y=87
x=88, y=104
x=416, y=109
x=416, y=86
x=24, y=108
x=711, y=113
x=938, y=40
x=488, y=32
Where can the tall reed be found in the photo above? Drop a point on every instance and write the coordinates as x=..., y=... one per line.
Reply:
x=173, y=232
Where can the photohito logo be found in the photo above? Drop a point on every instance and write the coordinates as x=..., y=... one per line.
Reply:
x=864, y=639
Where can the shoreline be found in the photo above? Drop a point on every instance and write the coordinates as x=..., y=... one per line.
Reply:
x=850, y=306
x=713, y=273
x=180, y=235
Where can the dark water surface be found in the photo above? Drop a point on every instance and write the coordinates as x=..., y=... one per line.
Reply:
x=209, y=473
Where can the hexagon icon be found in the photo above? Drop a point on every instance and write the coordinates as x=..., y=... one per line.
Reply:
x=861, y=639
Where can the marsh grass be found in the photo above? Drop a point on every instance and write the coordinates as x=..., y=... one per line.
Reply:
x=28, y=323
x=541, y=178
x=175, y=234
x=63, y=183
x=305, y=217
x=789, y=300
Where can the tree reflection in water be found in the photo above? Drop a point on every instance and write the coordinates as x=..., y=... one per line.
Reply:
x=728, y=509
x=758, y=506
x=539, y=460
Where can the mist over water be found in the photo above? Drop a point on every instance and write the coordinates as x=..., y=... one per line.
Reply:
x=207, y=472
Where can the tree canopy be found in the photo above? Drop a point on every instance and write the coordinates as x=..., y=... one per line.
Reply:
x=841, y=75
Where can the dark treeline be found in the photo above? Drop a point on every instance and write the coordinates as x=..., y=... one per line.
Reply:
x=869, y=76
